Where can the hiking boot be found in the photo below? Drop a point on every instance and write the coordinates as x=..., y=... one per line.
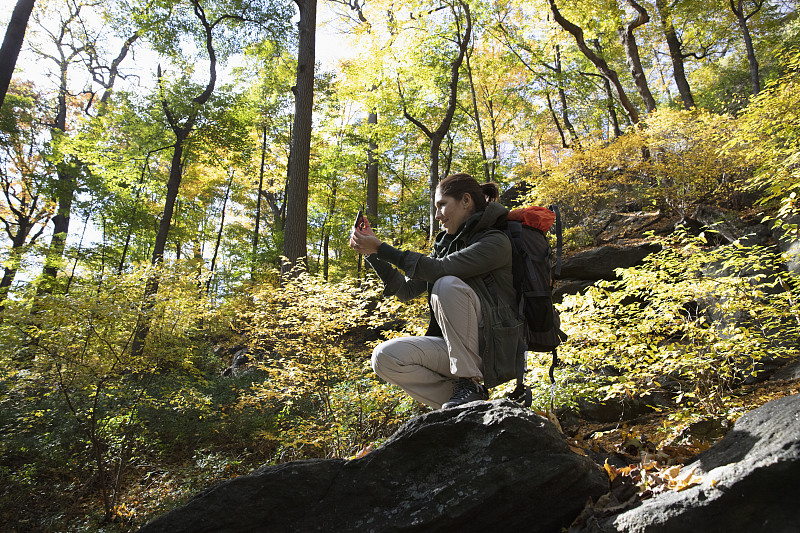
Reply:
x=466, y=391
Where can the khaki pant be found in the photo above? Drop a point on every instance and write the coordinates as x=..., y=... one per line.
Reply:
x=426, y=367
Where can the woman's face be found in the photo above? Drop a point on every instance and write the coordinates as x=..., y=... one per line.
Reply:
x=451, y=212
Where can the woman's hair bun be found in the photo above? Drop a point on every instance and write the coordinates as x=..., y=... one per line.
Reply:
x=491, y=191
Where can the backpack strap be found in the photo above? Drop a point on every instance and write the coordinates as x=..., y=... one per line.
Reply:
x=559, y=239
x=521, y=393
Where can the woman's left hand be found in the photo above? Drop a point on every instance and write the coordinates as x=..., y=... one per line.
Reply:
x=363, y=240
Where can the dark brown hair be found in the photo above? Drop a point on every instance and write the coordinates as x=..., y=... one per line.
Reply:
x=457, y=185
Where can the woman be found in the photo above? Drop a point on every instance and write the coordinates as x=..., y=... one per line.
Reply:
x=474, y=327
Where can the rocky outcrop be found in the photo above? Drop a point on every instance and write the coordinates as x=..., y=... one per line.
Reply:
x=789, y=243
x=488, y=466
x=600, y=263
x=749, y=483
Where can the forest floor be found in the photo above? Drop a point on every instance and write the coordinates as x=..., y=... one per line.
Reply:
x=649, y=450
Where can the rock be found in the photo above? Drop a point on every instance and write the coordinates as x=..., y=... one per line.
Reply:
x=239, y=364
x=706, y=430
x=718, y=220
x=627, y=225
x=749, y=482
x=570, y=287
x=789, y=243
x=788, y=372
x=485, y=466
x=600, y=263
x=620, y=409
x=726, y=227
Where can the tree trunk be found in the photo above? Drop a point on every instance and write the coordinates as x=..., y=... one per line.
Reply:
x=326, y=231
x=12, y=43
x=632, y=55
x=564, y=143
x=437, y=136
x=219, y=233
x=254, y=258
x=598, y=62
x=478, y=121
x=675, y=53
x=67, y=182
x=741, y=18
x=67, y=172
x=562, y=98
x=13, y=262
x=295, y=239
x=372, y=174
x=495, y=150
x=612, y=111
x=325, y=252
x=173, y=184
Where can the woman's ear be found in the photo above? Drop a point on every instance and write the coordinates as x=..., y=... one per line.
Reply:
x=467, y=202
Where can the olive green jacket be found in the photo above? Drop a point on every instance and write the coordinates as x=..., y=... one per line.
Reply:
x=481, y=256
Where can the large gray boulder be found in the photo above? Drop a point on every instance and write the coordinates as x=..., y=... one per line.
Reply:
x=750, y=482
x=485, y=466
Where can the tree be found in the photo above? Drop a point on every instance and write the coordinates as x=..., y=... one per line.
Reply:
x=296, y=229
x=436, y=136
x=182, y=126
x=675, y=53
x=24, y=209
x=12, y=43
x=742, y=16
x=632, y=53
x=597, y=61
x=73, y=42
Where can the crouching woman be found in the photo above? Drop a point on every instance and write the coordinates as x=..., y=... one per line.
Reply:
x=471, y=341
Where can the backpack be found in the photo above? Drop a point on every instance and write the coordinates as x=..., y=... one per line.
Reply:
x=533, y=271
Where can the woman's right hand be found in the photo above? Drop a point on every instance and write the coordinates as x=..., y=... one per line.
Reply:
x=363, y=239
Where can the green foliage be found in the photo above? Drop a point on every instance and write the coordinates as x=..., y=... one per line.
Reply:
x=692, y=319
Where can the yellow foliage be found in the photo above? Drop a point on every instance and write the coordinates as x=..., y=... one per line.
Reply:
x=768, y=137
x=306, y=333
x=673, y=160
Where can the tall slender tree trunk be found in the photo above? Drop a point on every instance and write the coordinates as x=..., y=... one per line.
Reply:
x=564, y=143
x=13, y=262
x=372, y=174
x=612, y=111
x=562, y=98
x=181, y=132
x=67, y=181
x=295, y=239
x=478, y=120
x=254, y=257
x=12, y=43
x=741, y=19
x=610, y=106
x=68, y=171
x=327, y=231
x=219, y=233
x=632, y=54
x=493, y=122
x=675, y=53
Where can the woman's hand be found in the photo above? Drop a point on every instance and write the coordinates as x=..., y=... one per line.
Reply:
x=363, y=239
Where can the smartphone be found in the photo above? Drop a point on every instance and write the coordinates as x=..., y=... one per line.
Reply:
x=359, y=223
